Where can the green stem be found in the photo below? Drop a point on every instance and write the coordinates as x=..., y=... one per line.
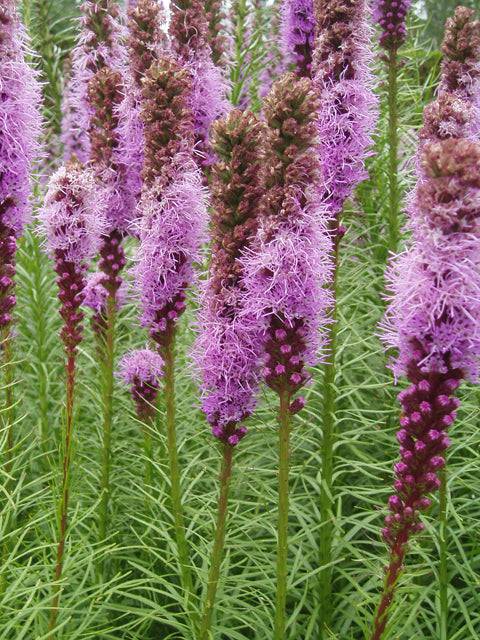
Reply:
x=64, y=495
x=443, y=568
x=175, y=485
x=218, y=546
x=327, y=460
x=280, y=621
x=107, y=405
x=148, y=452
x=9, y=419
x=394, y=192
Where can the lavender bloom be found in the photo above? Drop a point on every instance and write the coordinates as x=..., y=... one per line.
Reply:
x=74, y=220
x=146, y=42
x=391, y=16
x=461, y=61
x=141, y=371
x=21, y=122
x=289, y=264
x=227, y=350
x=171, y=230
x=348, y=106
x=189, y=33
x=298, y=34
x=100, y=45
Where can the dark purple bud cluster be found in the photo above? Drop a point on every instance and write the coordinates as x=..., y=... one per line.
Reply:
x=285, y=367
x=71, y=284
x=144, y=394
x=230, y=433
x=391, y=16
x=112, y=261
x=166, y=319
x=428, y=410
x=8, y=248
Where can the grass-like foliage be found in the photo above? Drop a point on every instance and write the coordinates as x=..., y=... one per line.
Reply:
x=139, y=594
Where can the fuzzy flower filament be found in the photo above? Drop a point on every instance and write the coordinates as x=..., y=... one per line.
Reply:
x=141, y=370
x=298, y=32
x=348, y=106
x=227, y=352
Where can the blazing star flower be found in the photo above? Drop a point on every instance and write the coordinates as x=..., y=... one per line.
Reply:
x=74, y=220
x=145, y=44
x=347, y=106
x=96, y=299
x=21, y=122
x=189, y=33
x=289, y=264
x=141, y=370
x=100, y=45
x=215, y=18
x=432, y=317
x=274, y=64
x=298, y=34
x=227, y=351
x=461, y=61
x=391, y=16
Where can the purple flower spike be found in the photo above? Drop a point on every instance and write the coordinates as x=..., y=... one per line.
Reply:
x=227, y=350
x=19, y=133
x=74, y=220
x=391, y=16
x=216, y=38
x=432, y=318
x=141, y=370
x=289, y=264
x=348, y=106
x=171, y=231
x=298, y=34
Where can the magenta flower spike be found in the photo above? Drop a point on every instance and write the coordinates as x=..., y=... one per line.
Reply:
x=227, y=351
x=141, y=370
x=100, y=45
x=391, y=16
x=432, y=317
x=19, y=134
x=189, y=32
x=298, y=34
x=347, y=105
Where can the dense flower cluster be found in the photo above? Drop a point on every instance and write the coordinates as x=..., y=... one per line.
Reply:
x=461, y=61
x=227, y=351
x=217, y=40
x=298, y=33
x=190, y=40
x=74, y=220
x=20, y=118
x=100, y=45
x=146, y=42
x=391, y=16
x=142, y=370
x=289, y=264
x=172, y=206
x=347, y=108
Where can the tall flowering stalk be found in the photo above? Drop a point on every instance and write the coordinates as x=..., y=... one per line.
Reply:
x=346, y=119
x=298, y=34
x=431, y=321
x=172, y=227
x=19, y=133
x=189, y=31
x=216, y=17
x=227, y=351
x=73, y=219
x=391, y=15
x=141, y=370
x=285, y=275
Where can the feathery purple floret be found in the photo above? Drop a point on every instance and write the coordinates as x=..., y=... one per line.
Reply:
x=391, y=16
x=348, y=106
x=298, y=34
x=100, y=45
x=290, y=262
x=20, y=121
x=171, y=231
x=227, y=350
x=141, y=370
